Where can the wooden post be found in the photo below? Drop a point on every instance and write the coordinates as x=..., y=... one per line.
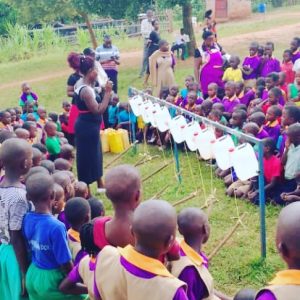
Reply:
x=226, y=238
x=159, y=193
x=185, y=199
x=118, y=157
x=157, y=171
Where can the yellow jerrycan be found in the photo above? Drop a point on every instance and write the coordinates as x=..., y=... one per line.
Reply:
x=115, y=141
x=125, y=138
x=104, y=141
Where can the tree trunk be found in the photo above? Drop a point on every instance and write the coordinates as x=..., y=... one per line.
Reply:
x=188, y=26
x=90, y=29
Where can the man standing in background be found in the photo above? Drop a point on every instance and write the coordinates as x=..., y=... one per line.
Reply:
x=146, y=28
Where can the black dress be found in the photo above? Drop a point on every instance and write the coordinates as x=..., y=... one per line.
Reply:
x=155, y=38
x=87, y=138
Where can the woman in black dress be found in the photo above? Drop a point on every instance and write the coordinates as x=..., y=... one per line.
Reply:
x=87, y=127
x=154, y=39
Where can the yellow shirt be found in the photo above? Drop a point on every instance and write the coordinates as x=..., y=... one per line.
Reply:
x=233, y=75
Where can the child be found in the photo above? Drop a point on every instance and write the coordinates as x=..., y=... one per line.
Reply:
x=78, y=212
x=16, y=158
x=243, y=96
x=287, y=67
x=293, y=90
x=251, y=128
x=191, y=101
x=192, y=267
x=292, y=196
x=5, y=121
x=127, y=273
x=18, y=121
x=233, y=73
x=81, y=189
x=173, y=92
x=212, y=91
x=22, y=133
x=67, y=152
x=272, y=171
x=295, y=44
x=245, y=294
x=269, y=63
x=230, y=100
x=37, y=156
x=41, y=111
x=250, y=67
x=189, y=79
x=237, y=122
x=54, y=118
x=282, y=85
x=48, y=165
x=83, y=272
x=126, y=117
x=29, y=109
x=285, y=285
x=64, y=118
x=59, y=200
x=42, y=148
x=62, y=164
x=260, y=119
x=52, y=140
x=28, y=96
x=123, y=189
x=272, y=80
x=97, y=208
x=46, y=239
x=274, y=97
x=113, y=111
x=272, y=126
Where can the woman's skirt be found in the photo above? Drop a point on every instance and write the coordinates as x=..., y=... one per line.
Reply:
x=43, y=284
x=10, y=274
x=89, y=151
x=74, y=112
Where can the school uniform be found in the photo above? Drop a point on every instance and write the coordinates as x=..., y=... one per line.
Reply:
x=230, y=103
x=287, y=68
x=75, y=246
x=269, y=65
x=192, y=268
x=285, y=286
x=262, y=134
x=112, y=115
x=254, y=63
x=295, y=56
x=214, y=99
x=53, y=147
x=273, y=130
x=84, y=272
x=281, y=101
x=130, y=275
x=246, y=98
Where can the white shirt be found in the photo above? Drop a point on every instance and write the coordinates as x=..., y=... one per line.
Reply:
x=146, y=28
x=182, y=39
x=296, y=67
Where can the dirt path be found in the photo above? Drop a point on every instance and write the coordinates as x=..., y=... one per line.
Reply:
x=281, y=35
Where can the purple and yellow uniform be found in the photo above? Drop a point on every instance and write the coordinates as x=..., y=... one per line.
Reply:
x=75, y=246
x=273, y=129
x=230, y=103
x=270, y=65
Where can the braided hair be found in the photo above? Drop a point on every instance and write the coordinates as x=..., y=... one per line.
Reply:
x=87, y=239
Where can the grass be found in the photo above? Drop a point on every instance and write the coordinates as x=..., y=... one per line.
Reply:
x=238, y=264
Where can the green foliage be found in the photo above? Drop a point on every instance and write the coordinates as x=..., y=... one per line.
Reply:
x=8, y=15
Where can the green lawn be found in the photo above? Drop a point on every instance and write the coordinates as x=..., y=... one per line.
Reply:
x=238, y=264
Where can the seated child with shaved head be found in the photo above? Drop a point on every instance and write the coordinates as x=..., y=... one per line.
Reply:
x=123, y=189
x=81, y=189
x=62, y=164
x=136, y=272
x=192, y=267
x=286, y=284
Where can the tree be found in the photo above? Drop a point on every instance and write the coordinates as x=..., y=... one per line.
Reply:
x=8, y=15
x=187, y=10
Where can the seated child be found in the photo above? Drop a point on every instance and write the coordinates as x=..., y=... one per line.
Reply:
x=285, y=285
x=54, y=118
x=191, y=101
x=62, y=164
x=260, y=119
x=206, y=107
x=42, y=148
x=250, y=67
x=5, y=121
x=294, y=46
x=83, y=272
x=293, y=90
x=16, y=158
x=251, y=128
x=233, y=73
x=29, y=110
x=28, y=96
x=49, y=165
x=272, y=81
x=113, y=111
x=189, y=79
x=287, y=66
x=126, y=117
x=173, y=92
x=212, y=91
x=97, y=208
x=64, y=118
x=137, y=270
x=273, y=99
x=59, y=200
x=31, y=127
x=244, y=96
x=37, y=156
x=52, y=140
x=272, y=126
x=269, y=63
x=123, y=189
x=192, y=267
x=81, y=189
x=51, y=263
x=63, y=179
x=272, y=172
x=230, y=100
x=237, y=122
x=18, y=120
x=42, y=113
x=245, y=294
x=22, y=133
x=67, y=152
x=292, y=196
x=78, y=212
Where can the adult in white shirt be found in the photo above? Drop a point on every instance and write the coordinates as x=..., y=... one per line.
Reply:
x=180, y=43
x=146, y=28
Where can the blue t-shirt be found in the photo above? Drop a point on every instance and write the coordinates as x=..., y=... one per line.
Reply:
x=47, y=240
x=112, y=114
x=24, y=116
x=124, y=116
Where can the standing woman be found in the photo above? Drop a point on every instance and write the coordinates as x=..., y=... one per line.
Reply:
x=91, y=108
x=74, y=63
x=208, y=63
x=161, y=66
x=153, y=42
